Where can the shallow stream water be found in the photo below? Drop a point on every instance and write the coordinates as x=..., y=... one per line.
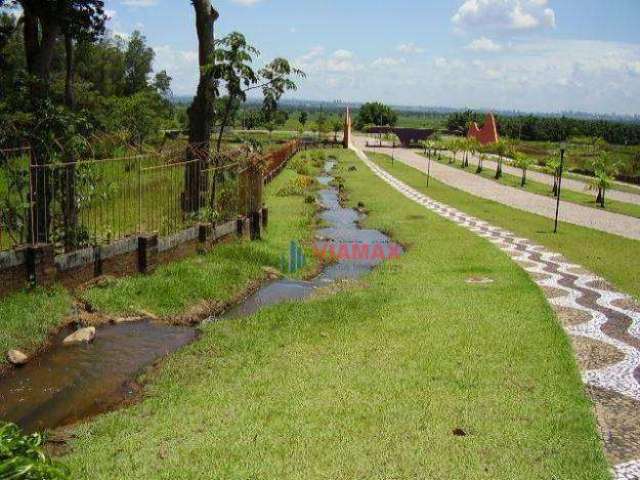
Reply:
x=67, y=384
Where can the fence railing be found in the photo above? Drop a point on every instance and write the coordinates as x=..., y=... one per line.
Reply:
x=87, y=203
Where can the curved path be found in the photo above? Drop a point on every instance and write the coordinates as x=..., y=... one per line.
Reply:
x=614, y=223
x=604, y=326
x=568, y=183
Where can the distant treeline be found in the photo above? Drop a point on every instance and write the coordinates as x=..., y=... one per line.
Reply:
x=550, y=129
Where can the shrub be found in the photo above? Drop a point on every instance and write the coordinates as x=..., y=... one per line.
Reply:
x=23, y=458
x=297, y=186
x=300, y=165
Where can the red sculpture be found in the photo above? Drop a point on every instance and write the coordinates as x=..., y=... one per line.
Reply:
x=488, y=133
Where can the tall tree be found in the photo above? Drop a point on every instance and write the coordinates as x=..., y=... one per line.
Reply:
x=202, y=110
x=43, y=23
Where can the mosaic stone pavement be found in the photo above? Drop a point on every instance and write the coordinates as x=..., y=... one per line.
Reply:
x=604, y=326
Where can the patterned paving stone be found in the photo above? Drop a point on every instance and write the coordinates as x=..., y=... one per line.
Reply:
x=571, y=316
x=593, y=354
x=611, y=372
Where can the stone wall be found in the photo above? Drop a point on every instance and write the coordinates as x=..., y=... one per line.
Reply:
x=38, y=265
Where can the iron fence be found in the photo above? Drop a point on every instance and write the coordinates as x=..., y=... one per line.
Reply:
x=93, y=202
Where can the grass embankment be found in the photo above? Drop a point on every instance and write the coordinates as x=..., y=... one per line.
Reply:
x=584, y=199
x=610, y=256
x=27, y=318
x=371, y=382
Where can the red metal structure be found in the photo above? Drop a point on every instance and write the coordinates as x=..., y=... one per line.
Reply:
x=488, y=133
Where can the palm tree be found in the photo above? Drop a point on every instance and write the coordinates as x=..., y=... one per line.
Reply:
x=522, y=162
x=481, y=158
x=474, y=147
x=552, y=167
x=454, y=147
x=604, y=169
x=501, y=150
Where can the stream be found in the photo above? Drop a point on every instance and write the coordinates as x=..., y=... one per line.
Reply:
x=64, y=385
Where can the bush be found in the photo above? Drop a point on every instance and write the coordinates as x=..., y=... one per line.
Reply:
x=23, y=458
x=297, y=186
x=300, y=165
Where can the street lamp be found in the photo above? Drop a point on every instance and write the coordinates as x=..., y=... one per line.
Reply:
x=563, y=148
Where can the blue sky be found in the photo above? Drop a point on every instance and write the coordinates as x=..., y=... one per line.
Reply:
x=535, y=55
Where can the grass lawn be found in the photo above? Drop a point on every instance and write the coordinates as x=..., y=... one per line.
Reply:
x=613, y=257
x=27, y=317
x=370, y=382
x=585, y=199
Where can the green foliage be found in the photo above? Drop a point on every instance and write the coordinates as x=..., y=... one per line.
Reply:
x=300, y=165
x=23, y=458
x=377, y=114
x=459, y=122
x=298, y=186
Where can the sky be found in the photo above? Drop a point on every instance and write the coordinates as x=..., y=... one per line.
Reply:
x=528, y=55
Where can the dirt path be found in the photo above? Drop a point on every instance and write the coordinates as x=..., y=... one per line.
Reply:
x=603, y=324
x=604, y=221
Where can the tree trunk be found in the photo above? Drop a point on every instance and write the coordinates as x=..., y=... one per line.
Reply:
x=70, y=208
x=499, y=169
x=524, y=178
x=40, y=36
x=202, y=110
x=603, y=198
x=599, y=197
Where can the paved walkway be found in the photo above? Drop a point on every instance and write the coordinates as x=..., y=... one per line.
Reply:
x=568, y=183
x=603, y=324
x=604, y=221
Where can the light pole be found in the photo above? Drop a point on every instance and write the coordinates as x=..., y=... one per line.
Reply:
x=563, y=148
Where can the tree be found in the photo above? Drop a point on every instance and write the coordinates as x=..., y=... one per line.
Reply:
x=303, y=118
x=138, y=60
x=376, y=114
x=43, y=23
x=337, y=126
x=605, y=168
x=275, y=80
x=162, y=83
x=501, y=149
x=522, y=162
x=552, y=166
x=459, y=122
x=202, y=110
x=454, y=147
x=233, y=66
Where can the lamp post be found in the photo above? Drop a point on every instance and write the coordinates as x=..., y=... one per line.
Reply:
x=563, y=148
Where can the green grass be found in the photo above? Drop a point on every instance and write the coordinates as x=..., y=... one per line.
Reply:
x=370, y=382
x=220, y=274
x=584, y=199
x=26, y=318
x=613, y=257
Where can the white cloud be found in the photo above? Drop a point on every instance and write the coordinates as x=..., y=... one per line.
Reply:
x=410, y=48
x=140, y=3
x=515, y=15
x=484, y=44
x=111, y=14
x=388, y=62
x=548, y=75
x=246, y=3
x=181, y=65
